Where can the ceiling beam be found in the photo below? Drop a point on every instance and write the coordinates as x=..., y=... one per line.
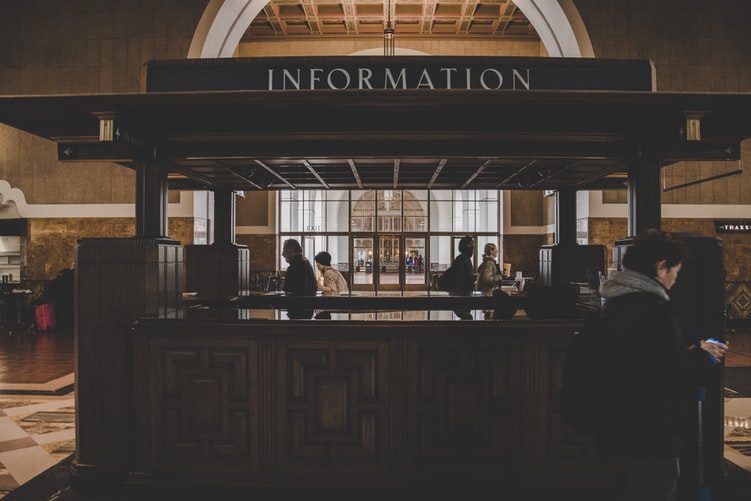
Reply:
x=437, y=171
x=237, y=174
x=354, y=172
x=408, y=145
x=274, y=173
x=478, y=172
x=313, y=171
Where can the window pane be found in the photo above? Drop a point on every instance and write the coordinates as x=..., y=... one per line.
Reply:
x=440, y=211
x=363, y=211
x=313, y=214
x=439, y=259
x=415, y=264
x=389, y=208
x=417, y=194
x=464, y=212
x=338, y=247
x=290, y=201
x=362, y=261
x=337, y=211
x=415, y=213
x=488, y=216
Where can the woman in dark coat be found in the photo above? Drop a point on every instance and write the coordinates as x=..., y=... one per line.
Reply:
x=464, y=282
x=653, y=369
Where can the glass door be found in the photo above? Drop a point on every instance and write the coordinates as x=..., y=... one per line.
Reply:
x=363, y=263
x=415, y=269
x=389, y=266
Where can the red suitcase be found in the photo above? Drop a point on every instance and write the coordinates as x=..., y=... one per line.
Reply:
x=45, y=316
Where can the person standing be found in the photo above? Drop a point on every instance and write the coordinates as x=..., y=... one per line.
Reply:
x=333, y=281
x=489, y=275
x=464, y=279
x=652, y=368
x=300, y=280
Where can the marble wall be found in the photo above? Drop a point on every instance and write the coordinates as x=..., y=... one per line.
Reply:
x=736, y=257
x=51, y=242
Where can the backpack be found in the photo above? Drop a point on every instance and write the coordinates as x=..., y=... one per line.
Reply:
x=447, y=281
x=584, y=375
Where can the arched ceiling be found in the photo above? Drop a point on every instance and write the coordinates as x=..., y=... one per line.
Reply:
x=495, y=19
x=555, y=23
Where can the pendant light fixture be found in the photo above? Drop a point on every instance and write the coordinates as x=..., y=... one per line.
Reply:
x=388, y=33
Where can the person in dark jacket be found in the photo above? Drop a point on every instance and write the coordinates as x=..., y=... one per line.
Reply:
x=464, y=283
x=300, y=280
x=653, y=369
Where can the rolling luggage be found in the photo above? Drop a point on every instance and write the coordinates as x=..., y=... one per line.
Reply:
x=45, y=316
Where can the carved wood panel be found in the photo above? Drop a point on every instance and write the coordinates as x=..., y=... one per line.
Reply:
x=463, y=417
x=334, y=408
x=402, y=407
x=204, y=406
x=566, y=444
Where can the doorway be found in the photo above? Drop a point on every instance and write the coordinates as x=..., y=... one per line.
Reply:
x=389, y=262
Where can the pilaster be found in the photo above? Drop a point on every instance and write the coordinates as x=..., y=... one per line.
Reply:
x=117, y=280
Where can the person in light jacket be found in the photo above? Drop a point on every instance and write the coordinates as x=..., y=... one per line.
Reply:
x=489, y=275
x=334, y=282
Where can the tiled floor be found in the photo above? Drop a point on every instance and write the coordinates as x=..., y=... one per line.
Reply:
x=37, y=405
x=738, y=408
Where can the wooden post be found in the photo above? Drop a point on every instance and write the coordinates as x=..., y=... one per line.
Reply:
x=565, y=217
x=117, y=280
x=222, y=268
x=644, y=209
x=151, y=200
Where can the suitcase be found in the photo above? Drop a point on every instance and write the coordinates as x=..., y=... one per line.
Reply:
x=45, y=316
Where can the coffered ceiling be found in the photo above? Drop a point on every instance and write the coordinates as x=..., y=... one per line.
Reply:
x=496, y=19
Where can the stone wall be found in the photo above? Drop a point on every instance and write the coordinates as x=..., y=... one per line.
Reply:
x=80, y=47
x=51, y=242
x=263, y=252
x=737, y=260
x=695, y=49
x=523, y=252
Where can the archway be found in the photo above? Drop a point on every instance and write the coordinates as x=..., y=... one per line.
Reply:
x=225, y=21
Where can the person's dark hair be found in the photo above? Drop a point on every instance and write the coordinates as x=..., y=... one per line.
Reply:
x=464, y=243
x=292, y=245
x=324, y=258
x=651, y=247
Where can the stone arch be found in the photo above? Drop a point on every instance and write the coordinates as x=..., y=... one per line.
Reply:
x=559, y=25
x=224, y=22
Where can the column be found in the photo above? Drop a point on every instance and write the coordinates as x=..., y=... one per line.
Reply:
x=221, y=269
x=644, y=202
x=224, y=215
x=565, y=216
x=151, y=199
x=117, y=281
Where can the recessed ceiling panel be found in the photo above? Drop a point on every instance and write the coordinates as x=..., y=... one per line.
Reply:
x=418, y=18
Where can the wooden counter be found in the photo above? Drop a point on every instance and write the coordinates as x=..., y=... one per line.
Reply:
x=418, y=406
